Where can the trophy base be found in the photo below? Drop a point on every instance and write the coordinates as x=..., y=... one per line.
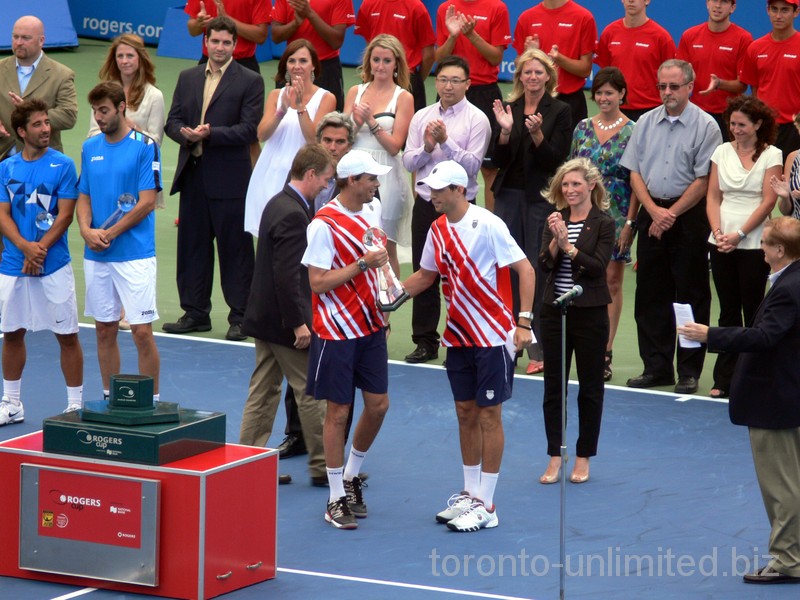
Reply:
x=195, y=432
x=100, y=411
x=396, y=303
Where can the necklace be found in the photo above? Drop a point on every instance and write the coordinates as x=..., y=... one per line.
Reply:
x=744, y=151
x=609, y=127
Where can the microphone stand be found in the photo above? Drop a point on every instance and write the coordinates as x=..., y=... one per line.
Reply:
x=564, y=458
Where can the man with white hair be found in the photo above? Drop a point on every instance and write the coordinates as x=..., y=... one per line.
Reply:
x=29, y=72
x=348, y=345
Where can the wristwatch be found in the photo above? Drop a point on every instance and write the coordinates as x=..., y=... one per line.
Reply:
x=362, y=264
x=742, y=234
x=571, y=252
x=526, y=315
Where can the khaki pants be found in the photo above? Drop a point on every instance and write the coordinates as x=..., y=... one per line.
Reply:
x=776, y=454
x=273, y=363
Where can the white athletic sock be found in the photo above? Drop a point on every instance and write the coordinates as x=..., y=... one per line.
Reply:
x=75, y=395
x=156, y=397
x=335, y=483
x=353, y=467
x=488, y=483
x=106, y=395
x=472, y=479
x=11, y=389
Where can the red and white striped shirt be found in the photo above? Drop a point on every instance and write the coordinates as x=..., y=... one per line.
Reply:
x=472, y=256
x=349, y=311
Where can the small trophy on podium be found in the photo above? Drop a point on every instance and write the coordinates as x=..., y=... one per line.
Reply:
x=390, y=291
x=125, y=204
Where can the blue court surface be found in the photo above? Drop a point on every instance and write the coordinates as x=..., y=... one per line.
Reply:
x=672, y=509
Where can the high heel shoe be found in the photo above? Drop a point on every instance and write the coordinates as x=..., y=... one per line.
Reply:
x=546, y=479
x=580, y=478
x=608, y=371
x=534, y=367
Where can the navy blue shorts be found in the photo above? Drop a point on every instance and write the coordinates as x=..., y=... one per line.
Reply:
x=337, y=367
x=485, y=375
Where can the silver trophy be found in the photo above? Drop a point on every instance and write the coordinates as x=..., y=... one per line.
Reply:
x=125, y=204
x=44, y=221
x=390, y=291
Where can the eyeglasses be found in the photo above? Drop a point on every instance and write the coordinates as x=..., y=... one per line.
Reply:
x=454, y=81
x=673, y=87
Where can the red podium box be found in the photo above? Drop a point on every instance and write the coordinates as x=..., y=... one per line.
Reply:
x=218, y=517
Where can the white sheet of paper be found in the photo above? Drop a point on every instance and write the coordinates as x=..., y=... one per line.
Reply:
x=510, y=348
x=683, y=315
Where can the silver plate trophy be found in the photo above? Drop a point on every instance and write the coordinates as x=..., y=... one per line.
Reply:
x=390, y=291
x=125, y=204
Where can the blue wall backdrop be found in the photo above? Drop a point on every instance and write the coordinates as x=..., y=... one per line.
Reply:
x=104, y=19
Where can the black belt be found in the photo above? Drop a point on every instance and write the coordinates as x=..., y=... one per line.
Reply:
x=665, y=202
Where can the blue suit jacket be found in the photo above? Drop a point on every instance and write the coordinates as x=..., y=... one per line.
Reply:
x=765, y=391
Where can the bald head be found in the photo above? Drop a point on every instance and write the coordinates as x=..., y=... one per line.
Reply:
x=27, y=39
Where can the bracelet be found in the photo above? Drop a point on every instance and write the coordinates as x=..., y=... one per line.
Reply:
x=375, y=129
x=301, y=112
x=525, y=327
x=504, y=132
x=280, y=114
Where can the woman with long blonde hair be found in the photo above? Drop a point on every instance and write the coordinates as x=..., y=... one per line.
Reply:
x=381, y=109
x=576, y=247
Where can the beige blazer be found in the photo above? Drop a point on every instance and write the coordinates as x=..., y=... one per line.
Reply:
x=52, y=82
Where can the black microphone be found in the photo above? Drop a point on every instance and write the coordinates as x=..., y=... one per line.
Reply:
x=567, y=297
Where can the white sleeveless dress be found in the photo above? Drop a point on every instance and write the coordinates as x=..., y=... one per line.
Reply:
x=395, y=190
x=275, y=161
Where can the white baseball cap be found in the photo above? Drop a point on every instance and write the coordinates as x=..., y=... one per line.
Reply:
x=446, y=173
x=358, y=162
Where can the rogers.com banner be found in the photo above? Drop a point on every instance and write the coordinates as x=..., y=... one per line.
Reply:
x=106, y=20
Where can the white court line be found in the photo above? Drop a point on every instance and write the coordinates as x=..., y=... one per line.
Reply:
x=75, y=594
x=413, y=586
x=619, y=388
x=185, y=336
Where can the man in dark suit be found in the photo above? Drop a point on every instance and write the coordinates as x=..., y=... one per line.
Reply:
x=278, y=312
x=764, y=395
x=28, y=73
x=215, y=111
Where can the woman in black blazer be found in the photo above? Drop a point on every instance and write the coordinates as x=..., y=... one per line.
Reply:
x=576, y=248
x=534, y=139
